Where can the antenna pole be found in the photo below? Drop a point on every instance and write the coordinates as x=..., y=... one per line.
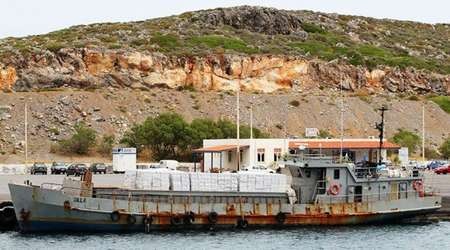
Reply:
x=380, y=127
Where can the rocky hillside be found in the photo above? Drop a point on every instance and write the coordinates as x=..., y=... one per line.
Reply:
x=290, y=64
x=263, y=49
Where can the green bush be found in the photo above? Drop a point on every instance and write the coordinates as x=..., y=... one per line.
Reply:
x=81, y=141
x=325, y=134
x=106, y=145
x=407, y=139
x=443, y=102
x=214, y=41
x=312, y=28
x=166, y=42
x=444, y=149
x=431, y=153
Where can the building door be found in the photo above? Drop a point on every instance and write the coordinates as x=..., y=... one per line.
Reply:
x=358, y=194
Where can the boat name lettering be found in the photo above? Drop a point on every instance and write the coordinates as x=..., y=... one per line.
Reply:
x=79, y=199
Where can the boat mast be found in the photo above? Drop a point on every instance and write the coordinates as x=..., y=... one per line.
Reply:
x=380, y=127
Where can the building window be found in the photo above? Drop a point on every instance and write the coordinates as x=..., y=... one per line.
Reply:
x=276, y=154
x=260, y=155
x=230, y=156
x=336, y=174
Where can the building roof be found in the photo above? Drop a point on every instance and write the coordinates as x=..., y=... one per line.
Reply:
x=219, y=148
x=348, y=144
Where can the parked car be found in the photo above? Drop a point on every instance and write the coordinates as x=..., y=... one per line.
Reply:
x=76, y=169
x=38, y=168
x=58, y=168
x=98, y=168
x=442, y=170
x=435, y=164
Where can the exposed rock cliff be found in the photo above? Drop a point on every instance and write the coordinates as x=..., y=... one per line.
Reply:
x=88, y=68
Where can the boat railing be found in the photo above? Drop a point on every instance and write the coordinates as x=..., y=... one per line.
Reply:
x=361, y=198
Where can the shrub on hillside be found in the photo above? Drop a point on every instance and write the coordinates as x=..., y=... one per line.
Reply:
x=106, y=145
x=81, y=141
x=445, y=149
x=407, y=139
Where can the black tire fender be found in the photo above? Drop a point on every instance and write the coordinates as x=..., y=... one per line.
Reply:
x=176, y=220
x=189, y=218
x=115, y=216
x=280, y=217
x=213, y=217
x=131, y=220
x=242, y=223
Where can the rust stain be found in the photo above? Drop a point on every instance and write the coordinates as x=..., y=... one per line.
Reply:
x=269, y=208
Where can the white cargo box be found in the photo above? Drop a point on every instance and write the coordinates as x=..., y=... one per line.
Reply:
x=124, y=159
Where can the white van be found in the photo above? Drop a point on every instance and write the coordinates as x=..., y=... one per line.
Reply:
x=169, y=164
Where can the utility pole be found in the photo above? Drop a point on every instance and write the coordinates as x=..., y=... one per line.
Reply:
x=26, y=134
x=238, y=146
x=251, y=121
x=423, y=133
x=342, y=125
x=380, y=127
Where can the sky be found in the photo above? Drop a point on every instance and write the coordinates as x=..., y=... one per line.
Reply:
x=31, y=17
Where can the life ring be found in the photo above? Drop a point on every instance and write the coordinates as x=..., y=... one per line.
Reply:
x=115, y=216
x=189, y=218
x=280, y=217
x=131, y=219
x=176, y=220
x=242, y=223
x=334, y=189
x=213, y=217
x=418, y=186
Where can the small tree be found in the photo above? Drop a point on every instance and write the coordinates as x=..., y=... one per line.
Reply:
x=407, y=139
x=445, y=149
x=106, y=145
x=81, y=141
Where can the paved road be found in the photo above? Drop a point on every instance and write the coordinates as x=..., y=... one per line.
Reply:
x=439, y=182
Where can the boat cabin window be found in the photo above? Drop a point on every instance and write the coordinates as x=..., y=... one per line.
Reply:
x=307, y=173
x=260, y=155
x=230, y=155
x=336, y=174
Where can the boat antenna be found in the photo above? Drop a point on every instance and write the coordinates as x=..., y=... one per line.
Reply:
x=380, y=127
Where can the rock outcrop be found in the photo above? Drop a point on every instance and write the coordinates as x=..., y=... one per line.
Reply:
x=89, y=68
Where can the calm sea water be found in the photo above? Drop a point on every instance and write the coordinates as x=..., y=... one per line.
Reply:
x=431, y=236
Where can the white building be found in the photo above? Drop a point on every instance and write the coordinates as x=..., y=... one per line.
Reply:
x=221, y=154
